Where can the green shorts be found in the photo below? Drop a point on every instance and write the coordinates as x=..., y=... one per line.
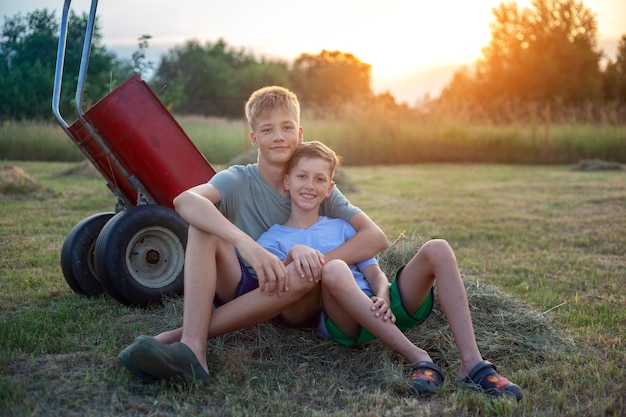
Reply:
x=404, y=319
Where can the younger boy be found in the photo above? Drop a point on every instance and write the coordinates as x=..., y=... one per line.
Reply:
x=358, y=302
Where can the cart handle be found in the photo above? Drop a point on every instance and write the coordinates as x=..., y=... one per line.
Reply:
x=58, y=72
x=60, y=63
x=84, y=60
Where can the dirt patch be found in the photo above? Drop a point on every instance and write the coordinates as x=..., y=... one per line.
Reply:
x=15, y=183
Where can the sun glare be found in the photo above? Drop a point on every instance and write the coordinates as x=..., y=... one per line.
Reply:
x=398, y=38
x=403, y=37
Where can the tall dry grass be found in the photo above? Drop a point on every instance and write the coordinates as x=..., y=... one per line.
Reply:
x=370, y=136
x=36, y=141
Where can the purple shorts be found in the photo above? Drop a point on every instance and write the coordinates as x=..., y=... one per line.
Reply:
x=247, y=283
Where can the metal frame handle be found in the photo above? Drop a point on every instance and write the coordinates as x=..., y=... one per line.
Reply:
x=84, y=60
x=84, y=64
x=58, y=72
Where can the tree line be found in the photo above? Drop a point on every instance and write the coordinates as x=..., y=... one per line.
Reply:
x=28, y=47
x=540, y=59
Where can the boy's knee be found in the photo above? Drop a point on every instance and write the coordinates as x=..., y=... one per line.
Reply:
x=438, y=250
x=203, y=239
x=334, y=270
x=298, y=284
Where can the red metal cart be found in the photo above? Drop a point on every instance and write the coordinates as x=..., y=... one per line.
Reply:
x=136, y=253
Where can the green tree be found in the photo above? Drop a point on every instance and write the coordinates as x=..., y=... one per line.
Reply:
x=331, y=78
x=28, y=46
x=540, y=58
x=213, y=79
x=461, y=87
x=545, y=52
x=614, y=76
x=138, y=61
x=621, y=55
x=25, y=65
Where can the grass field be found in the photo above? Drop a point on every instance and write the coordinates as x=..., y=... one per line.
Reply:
x=547, y=244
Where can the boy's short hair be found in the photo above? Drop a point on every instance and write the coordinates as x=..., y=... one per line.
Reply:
x=267, y=99
x=315, y=149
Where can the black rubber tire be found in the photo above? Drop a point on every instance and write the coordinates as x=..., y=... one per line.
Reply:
x=77, y=255
x=140, y=254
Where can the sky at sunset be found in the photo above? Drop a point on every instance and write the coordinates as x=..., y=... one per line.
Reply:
x=413, y=46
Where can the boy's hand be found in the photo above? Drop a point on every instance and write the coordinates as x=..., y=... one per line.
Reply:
x=308, y=262
x=382, y=309
x=270, y=271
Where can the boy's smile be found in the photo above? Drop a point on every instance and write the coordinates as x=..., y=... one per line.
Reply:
x=276, y=136
x=309, y=183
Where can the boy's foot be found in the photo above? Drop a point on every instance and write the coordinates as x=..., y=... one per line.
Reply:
x=427, y=378
x=153, y=358
x=484, y=377
x=125, y=359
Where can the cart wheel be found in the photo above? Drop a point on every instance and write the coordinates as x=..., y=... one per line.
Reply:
x=140, y=255
x=77, y=255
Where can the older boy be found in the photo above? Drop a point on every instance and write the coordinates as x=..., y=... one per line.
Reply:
x=225, y=217
x=359, y=304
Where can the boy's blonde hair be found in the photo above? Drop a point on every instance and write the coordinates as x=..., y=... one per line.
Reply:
x=315, y=149
x=268, y=99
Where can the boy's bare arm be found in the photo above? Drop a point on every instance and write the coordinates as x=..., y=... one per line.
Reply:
x=368, y=241
x=378, y=281
x=308, y=262
x=197, y=207
x=381, y=304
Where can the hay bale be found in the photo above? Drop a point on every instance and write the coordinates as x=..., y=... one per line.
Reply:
x=507, y=331
x=15, y=183
x=505, y=327
x=83, y=169
x=597, y=165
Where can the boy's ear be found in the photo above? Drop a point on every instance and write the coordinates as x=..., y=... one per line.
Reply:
x=286, y=182
x=253, y=140
x=330, y=188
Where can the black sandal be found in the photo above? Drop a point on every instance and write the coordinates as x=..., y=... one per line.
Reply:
x=427, y=378
x=484, y=377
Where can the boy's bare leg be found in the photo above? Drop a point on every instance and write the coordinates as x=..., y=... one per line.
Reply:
x=211, y=269
x=200, y=286
x=255, y=307
x=295, y=307
x=436, y=260
x=350, y=308
x=170, y=336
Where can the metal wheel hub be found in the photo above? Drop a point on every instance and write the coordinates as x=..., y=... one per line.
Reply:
x=155, y=257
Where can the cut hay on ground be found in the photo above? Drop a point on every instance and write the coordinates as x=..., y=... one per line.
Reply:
x=15, y=183
x=508, y=331
x=597, y=165
x=83, y=169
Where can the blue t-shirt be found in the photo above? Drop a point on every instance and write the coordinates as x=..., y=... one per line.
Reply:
x=325, y=235
x=252, y=205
